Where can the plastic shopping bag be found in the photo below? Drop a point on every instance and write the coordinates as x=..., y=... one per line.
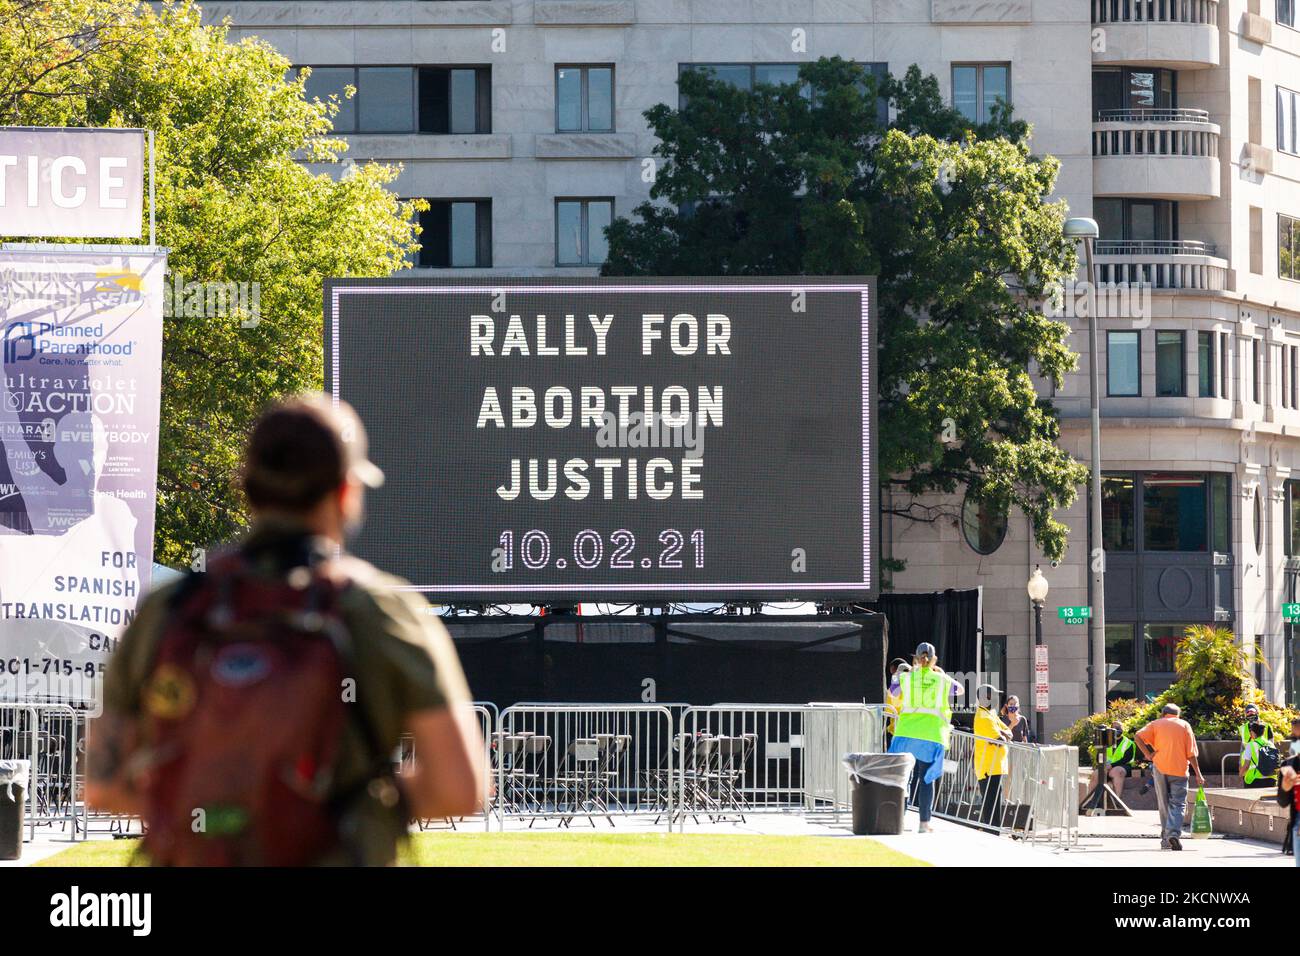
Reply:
x=1201, y=824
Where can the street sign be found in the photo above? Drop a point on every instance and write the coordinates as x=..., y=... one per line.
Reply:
x=1074, y=615
x=1291, y=613
x=1041, y=682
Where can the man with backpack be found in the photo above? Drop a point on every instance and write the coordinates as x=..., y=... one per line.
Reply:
x=251, y=711
x=1259, y=759
x=1252, y=717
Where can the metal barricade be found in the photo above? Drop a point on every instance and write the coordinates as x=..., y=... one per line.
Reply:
x=19, y=741
x=1055, y=795
x=1009, y=788
x=52, y=737
x=830, y=732
x=590, y=762
x=486, y=714
x=88, y=820
x=735, y=759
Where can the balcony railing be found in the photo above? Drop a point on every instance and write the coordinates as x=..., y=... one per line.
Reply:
x=1161, y=264
x=1149, y=133
x=1153, y=115
x=1156, y=11
x=1154, y=247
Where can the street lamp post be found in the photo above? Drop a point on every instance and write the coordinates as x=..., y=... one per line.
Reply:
x=1086, y=230
x=1037, y=588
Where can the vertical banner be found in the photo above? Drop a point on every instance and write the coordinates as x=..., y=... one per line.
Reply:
x=81, y=334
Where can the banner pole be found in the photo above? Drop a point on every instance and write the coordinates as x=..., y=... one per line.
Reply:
x=152, y=239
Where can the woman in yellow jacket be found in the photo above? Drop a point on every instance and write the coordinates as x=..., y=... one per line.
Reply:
x=893, y=694
x=991, y=737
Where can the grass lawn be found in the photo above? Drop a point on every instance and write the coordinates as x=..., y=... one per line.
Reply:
x=586, y=849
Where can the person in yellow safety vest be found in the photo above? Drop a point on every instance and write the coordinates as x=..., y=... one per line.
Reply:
x=1121, y=758
x=1259, y=759
x=1252, y=715
x=924, y=725
x=990, y=756
x=897, y=668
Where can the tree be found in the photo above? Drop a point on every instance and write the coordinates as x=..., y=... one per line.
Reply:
x=952, y=217
x=235, y=204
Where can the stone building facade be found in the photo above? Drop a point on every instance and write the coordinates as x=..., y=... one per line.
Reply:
x=1176, y=124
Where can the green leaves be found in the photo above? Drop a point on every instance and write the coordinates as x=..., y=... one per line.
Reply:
x=952, y=217
x=235, y=204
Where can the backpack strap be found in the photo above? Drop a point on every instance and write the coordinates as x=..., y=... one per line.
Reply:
x=324, y=595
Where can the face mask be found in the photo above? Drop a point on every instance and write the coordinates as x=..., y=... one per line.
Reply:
x=1295, y=748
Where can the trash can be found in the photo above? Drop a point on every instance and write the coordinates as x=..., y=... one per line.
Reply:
x=13, y=797
x=879, y=791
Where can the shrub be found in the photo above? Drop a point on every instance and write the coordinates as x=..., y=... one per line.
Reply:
x=1212, y=687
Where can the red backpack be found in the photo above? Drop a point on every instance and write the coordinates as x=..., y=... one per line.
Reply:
x=242, y=717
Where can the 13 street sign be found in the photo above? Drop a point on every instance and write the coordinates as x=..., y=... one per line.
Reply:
x=1291, y=612
x=1074, y=615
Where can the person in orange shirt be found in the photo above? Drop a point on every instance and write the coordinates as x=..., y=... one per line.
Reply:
x=1170, y=745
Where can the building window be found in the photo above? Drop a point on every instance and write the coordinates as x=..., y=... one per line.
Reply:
x=1294, y=365
x=1180, y=511
x=1171, y=375
x=1282, y=363
x=1123, y=363
x=1259, y=522
x=1288, y=248
x=1142, y=673
x=406, y=99
x=1117, y=518
x=1286, y=13
x=456, y=234
x=455, y=99
x=326, y=81
x=580, y=226
x=1136, y=220
x=1174, y=512
x=385, y=99
x=1289, y=357
x=745, y=76
x=584, y=99
x=983, y=526
x=977, y=87
x=1288, y=120
x=1160, y=646
x=1292, y=536
x=1122, y=90
x=1257, y=371
x=1205, y=360
x=1220, y=519
x=1256, y=247
x=1225, y=367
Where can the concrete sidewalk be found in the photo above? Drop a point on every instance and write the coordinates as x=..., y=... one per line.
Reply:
x=1103, y=842
x=44, y=846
